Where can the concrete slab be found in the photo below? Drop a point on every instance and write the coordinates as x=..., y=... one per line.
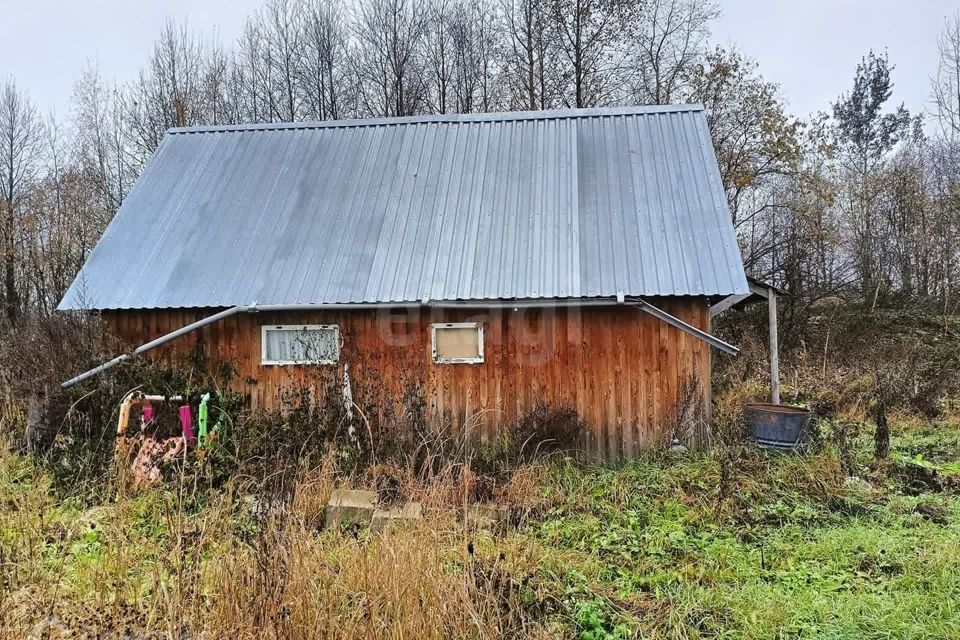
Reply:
x=384, y=518
x=487, y=515
x=350, y=506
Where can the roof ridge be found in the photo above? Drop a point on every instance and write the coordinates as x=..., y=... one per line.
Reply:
x=505, y=116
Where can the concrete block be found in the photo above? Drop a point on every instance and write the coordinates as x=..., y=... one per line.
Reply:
x=487, y=515
x=384, y=518
x=350, y=506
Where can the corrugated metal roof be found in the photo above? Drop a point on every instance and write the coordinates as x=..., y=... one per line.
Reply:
x=555, y=204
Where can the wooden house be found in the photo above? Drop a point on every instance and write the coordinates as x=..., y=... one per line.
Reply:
x=490, y=263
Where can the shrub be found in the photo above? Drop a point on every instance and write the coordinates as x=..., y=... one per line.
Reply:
x=542, y=432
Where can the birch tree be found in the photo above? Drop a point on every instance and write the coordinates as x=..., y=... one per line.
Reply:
x=21, y=140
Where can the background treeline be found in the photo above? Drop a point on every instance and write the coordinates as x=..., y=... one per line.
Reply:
x=861, y=201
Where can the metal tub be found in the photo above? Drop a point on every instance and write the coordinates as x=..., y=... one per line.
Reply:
x=777, y=426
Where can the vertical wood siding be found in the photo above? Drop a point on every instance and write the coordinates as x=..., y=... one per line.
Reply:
x=622, y=370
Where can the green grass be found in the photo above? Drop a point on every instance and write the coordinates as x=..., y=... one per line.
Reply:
x=647, y=550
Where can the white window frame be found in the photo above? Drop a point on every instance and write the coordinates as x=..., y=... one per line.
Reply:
x=298, y=327
x=437, y=359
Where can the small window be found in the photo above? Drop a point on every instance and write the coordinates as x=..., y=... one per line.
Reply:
x=458, y=343
x=300, y=344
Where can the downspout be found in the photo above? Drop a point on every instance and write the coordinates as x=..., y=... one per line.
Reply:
x=153, y=344
x=637, y=303
x=674, y=321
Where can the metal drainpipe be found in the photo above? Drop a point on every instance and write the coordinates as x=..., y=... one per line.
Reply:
x=153, y=344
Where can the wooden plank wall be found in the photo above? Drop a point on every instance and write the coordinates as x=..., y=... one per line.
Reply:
x=621, y=369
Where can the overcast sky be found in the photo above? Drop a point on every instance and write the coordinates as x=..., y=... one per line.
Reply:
x=810, y=47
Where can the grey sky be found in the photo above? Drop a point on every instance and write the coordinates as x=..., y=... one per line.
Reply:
x=810, y=47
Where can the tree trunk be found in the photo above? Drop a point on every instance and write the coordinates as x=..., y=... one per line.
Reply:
x=881, y=437
x=11, y=299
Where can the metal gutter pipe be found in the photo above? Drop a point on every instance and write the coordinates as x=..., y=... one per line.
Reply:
x=153, y=344
x=674, y=321
x=638, y=303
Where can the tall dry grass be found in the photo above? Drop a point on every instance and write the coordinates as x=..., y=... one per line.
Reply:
x=413, y=583
x=243, y=564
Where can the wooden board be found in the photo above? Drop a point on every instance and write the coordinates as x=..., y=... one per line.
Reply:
x=621, y=369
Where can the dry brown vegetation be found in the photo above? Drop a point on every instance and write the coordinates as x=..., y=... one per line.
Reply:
x=243, y=563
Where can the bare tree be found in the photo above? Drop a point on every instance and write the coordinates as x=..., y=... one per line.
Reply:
x=168, y=93
x=474, y=28
x=324, y=77
x=943, y=170
x=943, y=180
x=100, y=144
x=62, y=219
x=530, y=53
x=21, y=140
x=665, y=42
x=282, y=26
x=794, y=239
x=438, y=56
x=388, y=57
x=217, y=94
x=946, y=84
x=586, y=33
x=251, y=75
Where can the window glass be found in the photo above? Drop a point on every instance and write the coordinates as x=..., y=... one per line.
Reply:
x=299, y=344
